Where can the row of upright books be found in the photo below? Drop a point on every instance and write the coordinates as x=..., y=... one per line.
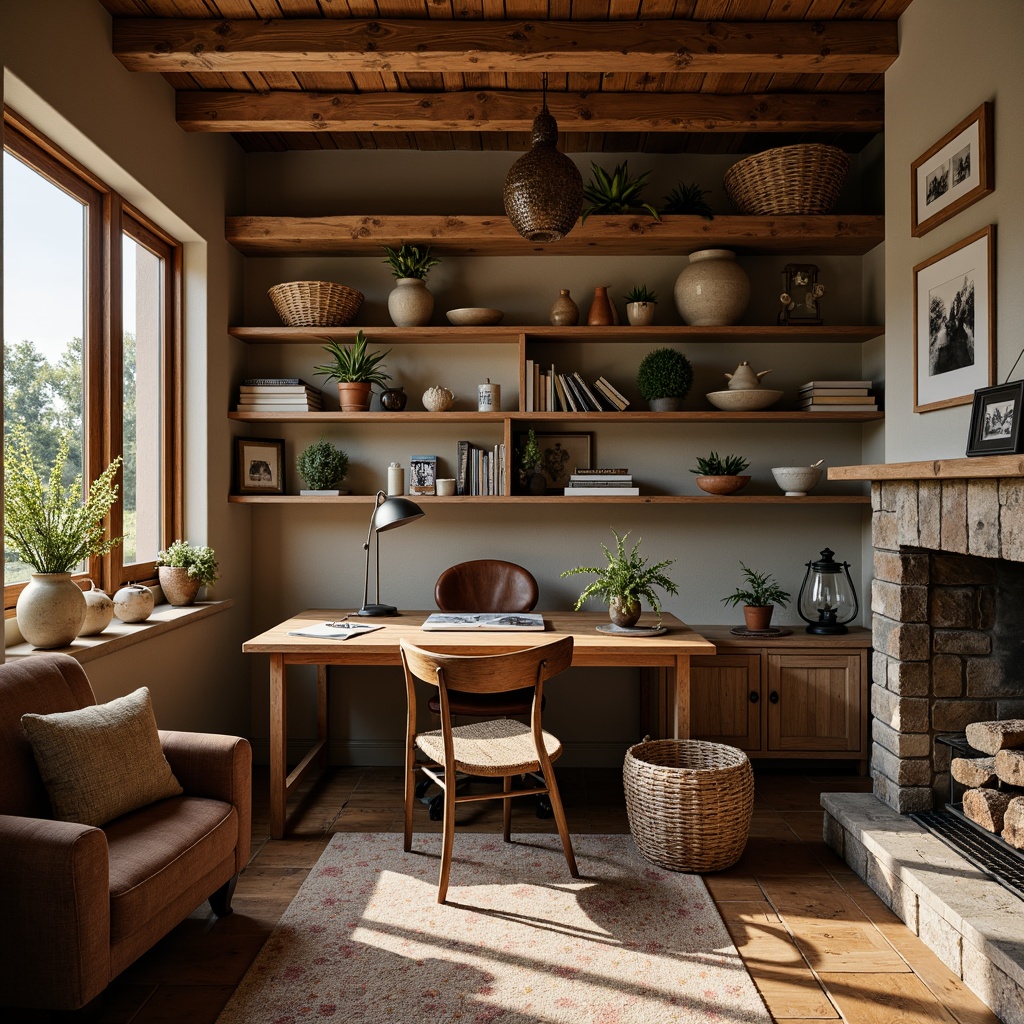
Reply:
x=837, y=396
x=278, y=394
x=548, y=390
x=592, y=483
x=480, y=471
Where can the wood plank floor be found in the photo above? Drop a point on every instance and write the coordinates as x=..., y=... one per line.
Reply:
x=818, y=943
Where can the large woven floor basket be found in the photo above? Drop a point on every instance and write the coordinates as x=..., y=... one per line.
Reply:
x=788, y=179
x=689, y=803
x=315, y=303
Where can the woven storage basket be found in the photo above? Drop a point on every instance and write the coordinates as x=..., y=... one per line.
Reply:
x=788, y=179
x=315, y=303
x=689, y=803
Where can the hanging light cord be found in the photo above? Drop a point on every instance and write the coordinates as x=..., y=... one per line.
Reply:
x=1014, y=367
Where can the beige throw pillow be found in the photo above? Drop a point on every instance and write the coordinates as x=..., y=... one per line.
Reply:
x=103, y=761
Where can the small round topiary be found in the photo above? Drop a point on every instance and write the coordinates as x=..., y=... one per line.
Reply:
x=322, y=465
x=664, y=373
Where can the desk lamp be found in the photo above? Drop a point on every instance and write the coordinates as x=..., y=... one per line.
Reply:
x=387, y=514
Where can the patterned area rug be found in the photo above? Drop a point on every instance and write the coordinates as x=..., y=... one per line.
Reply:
x=519, y=942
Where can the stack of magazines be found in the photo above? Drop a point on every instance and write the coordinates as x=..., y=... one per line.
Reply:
x=593, y=483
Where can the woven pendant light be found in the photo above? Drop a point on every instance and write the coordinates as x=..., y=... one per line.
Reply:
x=543, y=189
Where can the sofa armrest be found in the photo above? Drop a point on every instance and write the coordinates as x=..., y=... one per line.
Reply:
x=54, y=913
x=215, y=766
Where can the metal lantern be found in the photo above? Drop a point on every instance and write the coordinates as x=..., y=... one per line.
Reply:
x=828, y=599
x=543, y=190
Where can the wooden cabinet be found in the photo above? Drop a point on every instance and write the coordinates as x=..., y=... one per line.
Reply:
x=793, y=696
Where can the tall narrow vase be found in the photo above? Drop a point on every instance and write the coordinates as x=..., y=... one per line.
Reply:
x=410, y=304
x=51, y=610
x=601, y=314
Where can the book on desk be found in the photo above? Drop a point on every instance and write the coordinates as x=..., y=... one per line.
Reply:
x=518, y=621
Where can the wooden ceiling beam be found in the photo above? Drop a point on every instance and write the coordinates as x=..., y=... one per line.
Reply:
x=333, y=45
x=485, y=111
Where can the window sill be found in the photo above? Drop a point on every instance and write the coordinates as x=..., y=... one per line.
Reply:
x=119, y=635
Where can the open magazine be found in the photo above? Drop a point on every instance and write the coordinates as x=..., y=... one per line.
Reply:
x=519, y=621
x=334, y=630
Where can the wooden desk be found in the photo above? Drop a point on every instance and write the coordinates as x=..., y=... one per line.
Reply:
x=669, y=652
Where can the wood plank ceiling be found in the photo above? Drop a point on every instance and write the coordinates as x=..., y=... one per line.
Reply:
x=654, y=76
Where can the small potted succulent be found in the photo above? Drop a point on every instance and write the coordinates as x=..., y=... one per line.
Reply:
x=640, y=303
x=183, y=568
x=624, y=581
x=664, y=377
x=720, y=474
x=355, y=370
x=530, y=457
x=410, y=304
x=323, y=466
x=758, y=598
x=617, y=192
x=688, y=199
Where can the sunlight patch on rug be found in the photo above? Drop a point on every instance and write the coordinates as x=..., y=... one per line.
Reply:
x=519, y=941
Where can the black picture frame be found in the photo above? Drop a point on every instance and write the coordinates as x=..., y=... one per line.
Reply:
x=996, y=420
x=259, y=465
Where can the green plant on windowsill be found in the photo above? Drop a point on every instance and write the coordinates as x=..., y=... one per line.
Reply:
x=409, y=260
x=640, y=293
x=617, y=192
x=322, y=465
x=688, y=199
x=197, y=560
x=353, y=365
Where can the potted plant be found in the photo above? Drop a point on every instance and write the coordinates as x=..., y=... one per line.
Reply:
x=664, y=378
x=688, y=199
x=183, y=568
x=355, y=370
x=758, y=598
x=323, y=466
x=640, y=303
x=530, y=458
x=720, y=474
x=624, y=581
x=410, y=304
x=617, y=192
x=53, y=530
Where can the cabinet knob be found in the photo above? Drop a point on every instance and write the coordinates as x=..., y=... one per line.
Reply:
x=754, y=696
x=774, y=697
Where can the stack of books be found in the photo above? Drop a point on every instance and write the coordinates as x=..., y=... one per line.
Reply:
x=837, y=396
x=553, y=391
x=278, y=394
x=480, y=471
x=592, y=483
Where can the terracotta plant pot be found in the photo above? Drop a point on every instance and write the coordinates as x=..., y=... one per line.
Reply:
x=179, y=588
x=722, y=484
x=758, y=616
x=354, y=396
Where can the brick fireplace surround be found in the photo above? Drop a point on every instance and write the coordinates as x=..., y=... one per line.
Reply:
x=948, y=540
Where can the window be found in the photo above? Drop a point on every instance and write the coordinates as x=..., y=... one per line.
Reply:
x=92, y=349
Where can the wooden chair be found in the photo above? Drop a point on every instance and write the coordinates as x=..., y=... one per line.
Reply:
x=497, y=747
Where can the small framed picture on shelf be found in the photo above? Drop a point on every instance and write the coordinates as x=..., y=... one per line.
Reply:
x=562, y=455
x=423, y=474
x=954, y=323
x=954, y=173
x=259, y=465
x=996, y=420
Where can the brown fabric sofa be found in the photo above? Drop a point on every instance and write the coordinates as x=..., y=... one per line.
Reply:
x=79, y=904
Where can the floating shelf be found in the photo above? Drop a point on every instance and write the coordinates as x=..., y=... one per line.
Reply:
x=438, y=418
x=558, y=499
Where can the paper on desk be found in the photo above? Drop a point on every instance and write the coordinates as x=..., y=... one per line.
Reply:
x=334, y=630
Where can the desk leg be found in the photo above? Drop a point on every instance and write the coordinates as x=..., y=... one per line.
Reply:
x=681, y=726
x=278, y=746
x=322, y=713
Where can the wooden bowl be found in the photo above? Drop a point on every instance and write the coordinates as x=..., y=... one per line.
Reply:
x=474, y=316
x=722, y=484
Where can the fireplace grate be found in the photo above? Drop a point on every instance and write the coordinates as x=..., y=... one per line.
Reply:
x=985, y=851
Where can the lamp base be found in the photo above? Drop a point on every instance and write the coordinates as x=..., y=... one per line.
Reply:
x=831, y=629
x=377, y=610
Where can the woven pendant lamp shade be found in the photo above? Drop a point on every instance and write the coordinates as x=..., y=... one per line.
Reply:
x=543, y=190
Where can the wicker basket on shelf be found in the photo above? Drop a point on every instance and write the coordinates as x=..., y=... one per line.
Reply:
x=689, y=803
x=315, y=303
x=788, y=179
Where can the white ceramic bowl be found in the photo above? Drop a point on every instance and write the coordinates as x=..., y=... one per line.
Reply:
x=474, y=316
x=796, y=481
x=744, y=400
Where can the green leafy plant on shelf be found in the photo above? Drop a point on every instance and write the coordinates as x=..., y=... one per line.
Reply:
x=48, y=524
x=617, y=192
x=353, y=365
x=688, y=199
x=664, y=373
x=197, y=559
x=627, y=579
x=761, y=590
x=322, y=465
x=640, y=293
x=529, y=454
x=720, y=465
x=409, y=260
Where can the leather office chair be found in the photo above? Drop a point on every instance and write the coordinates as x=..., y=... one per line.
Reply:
x=497, y=747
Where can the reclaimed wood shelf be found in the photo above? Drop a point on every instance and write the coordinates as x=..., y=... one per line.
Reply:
x=460, y=416
x=558, y=499
x=980, y=467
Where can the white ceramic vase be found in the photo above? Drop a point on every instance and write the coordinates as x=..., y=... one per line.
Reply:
x=51, y=610
x=134, y=603
x=713, y=289
x=99, y=610
x=410, y=304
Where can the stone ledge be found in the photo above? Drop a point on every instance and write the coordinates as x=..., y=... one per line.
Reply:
x=984, y=914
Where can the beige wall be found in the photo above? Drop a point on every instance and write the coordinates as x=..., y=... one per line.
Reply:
x=953, y=57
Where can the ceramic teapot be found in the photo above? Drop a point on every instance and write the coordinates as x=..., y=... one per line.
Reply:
x=438, y=399
x=743, y=378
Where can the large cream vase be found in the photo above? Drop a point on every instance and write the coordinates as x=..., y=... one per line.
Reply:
x=51, y=610
x=713, y=289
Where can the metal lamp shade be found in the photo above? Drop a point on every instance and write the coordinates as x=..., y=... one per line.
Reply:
x=543, y=189
x=394, y=512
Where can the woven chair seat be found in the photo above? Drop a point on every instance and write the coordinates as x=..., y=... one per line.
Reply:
x=494, y=747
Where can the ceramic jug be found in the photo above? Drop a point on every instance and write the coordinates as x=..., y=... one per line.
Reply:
x=743, y=377
x=438, y=399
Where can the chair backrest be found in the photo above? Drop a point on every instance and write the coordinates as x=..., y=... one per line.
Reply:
x=486, y=585
x=40, y=684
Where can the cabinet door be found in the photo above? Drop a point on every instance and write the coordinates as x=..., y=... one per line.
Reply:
x=725, y=696
x=814, y=701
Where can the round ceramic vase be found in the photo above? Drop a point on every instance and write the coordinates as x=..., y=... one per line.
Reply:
x=410, y=304
x=134, y=603
x=624, y=613
x=99, y=610
x=565, y=312
x=179, y=588
x=51, y=610
x=713, y=289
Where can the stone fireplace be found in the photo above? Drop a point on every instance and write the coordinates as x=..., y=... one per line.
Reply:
x=947, y=607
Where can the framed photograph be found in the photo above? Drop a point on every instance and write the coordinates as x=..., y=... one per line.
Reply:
x=562, y=455
x=259, y=465
x=956, y=172
x=954, y=323
x=996, y=420
x=422, y=474
x=801, y=295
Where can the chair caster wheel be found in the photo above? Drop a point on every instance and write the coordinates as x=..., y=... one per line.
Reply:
x=435, y=809
x=544, y=808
